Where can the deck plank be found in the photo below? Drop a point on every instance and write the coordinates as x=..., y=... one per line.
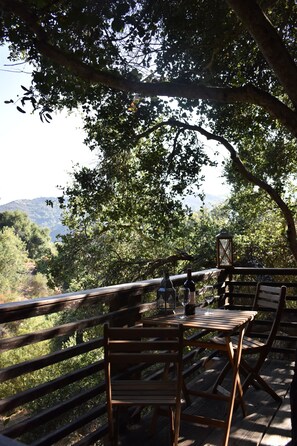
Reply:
x=279, y=431
x=267, y=422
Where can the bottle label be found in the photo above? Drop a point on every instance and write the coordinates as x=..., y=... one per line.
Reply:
x=192, y=297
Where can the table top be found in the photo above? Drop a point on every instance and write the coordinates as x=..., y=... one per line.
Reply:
x=205, y=319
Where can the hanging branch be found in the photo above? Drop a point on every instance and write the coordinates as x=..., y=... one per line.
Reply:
x=245, y=173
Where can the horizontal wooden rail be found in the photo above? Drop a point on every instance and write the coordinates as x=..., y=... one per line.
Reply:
x=14, y=311
x=69, y=391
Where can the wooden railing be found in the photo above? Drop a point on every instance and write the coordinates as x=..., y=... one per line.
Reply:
x=52, y=380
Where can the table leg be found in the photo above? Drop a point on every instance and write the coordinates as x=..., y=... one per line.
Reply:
x=234, y=358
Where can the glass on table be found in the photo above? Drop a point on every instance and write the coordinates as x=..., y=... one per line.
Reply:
x=185, y=299
x=208, y=296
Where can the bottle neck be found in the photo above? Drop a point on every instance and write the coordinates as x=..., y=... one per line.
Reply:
x=190, y=285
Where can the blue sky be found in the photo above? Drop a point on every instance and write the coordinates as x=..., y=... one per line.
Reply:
x=37, y=157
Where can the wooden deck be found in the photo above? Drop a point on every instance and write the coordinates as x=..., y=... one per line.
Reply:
x=267, y=423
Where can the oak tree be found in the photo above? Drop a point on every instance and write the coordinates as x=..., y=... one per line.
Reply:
x=149, y=77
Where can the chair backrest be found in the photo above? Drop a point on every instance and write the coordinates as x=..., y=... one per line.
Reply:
x=135, y=351
x=128, y=347
x=272, y=300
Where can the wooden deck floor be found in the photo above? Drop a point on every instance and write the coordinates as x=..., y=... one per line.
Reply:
x=267, y=423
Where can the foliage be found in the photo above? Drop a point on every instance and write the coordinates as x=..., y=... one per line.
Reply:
x=13, y=261
x=50, y=372
x=36, y=239
x=24, y=255
x=259, y=230
x=142, y=73
x=121, y=252
x=36, y=285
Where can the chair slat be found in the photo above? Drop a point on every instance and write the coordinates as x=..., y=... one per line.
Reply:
x=138, y=358
x=145, y=332
x=149, y=385
x=142, y=345
x=265, y=303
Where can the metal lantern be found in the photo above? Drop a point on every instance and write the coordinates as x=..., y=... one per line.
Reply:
x=166, y=295
x=224, y=249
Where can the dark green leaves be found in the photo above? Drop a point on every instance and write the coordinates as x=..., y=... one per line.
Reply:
x=118, y=25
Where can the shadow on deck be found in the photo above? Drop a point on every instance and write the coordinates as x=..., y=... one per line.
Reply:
x=267, y=423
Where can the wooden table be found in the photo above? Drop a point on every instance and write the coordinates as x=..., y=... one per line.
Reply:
x=226, y=322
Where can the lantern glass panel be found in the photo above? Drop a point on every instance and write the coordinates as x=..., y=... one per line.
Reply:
x=224, y=249
x=225, y=252
x=166, y=295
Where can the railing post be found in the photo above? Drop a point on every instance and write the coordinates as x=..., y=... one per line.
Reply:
x=230, y=289
x=123, y=301
x=225, y=289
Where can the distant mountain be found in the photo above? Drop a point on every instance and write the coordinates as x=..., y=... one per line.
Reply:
x=40, y=213
x=210, y=200
x=50, y=217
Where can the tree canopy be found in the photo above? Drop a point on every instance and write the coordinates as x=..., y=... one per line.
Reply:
x=151, y=77
x=233, y=52
x=93, y=257
x=36, y=239
x=25, y=250
x=13, y=259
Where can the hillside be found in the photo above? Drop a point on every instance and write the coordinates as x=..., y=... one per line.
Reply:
x=210, y=200
x=40, y=213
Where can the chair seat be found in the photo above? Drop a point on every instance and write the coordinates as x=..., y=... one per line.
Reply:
x=251, y=343
x=135, y=392
x=247, y=343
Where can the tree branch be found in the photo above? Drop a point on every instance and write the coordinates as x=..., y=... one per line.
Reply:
x=247, y=94
x=151, y=265
x=269, y=43
x=245, y=173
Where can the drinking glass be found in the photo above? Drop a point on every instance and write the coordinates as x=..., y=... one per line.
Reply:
x=209, y=297
x=185, y=300
x=209, y=294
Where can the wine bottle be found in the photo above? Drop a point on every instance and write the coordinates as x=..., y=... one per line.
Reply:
x=189, y=285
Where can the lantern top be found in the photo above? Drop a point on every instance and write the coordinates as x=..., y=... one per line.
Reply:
x=166, y=282
x=224, y=234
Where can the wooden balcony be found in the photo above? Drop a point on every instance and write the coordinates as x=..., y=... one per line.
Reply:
x=52, y=379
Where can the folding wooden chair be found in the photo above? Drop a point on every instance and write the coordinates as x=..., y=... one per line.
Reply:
x=269, y=300
x=141, y=346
